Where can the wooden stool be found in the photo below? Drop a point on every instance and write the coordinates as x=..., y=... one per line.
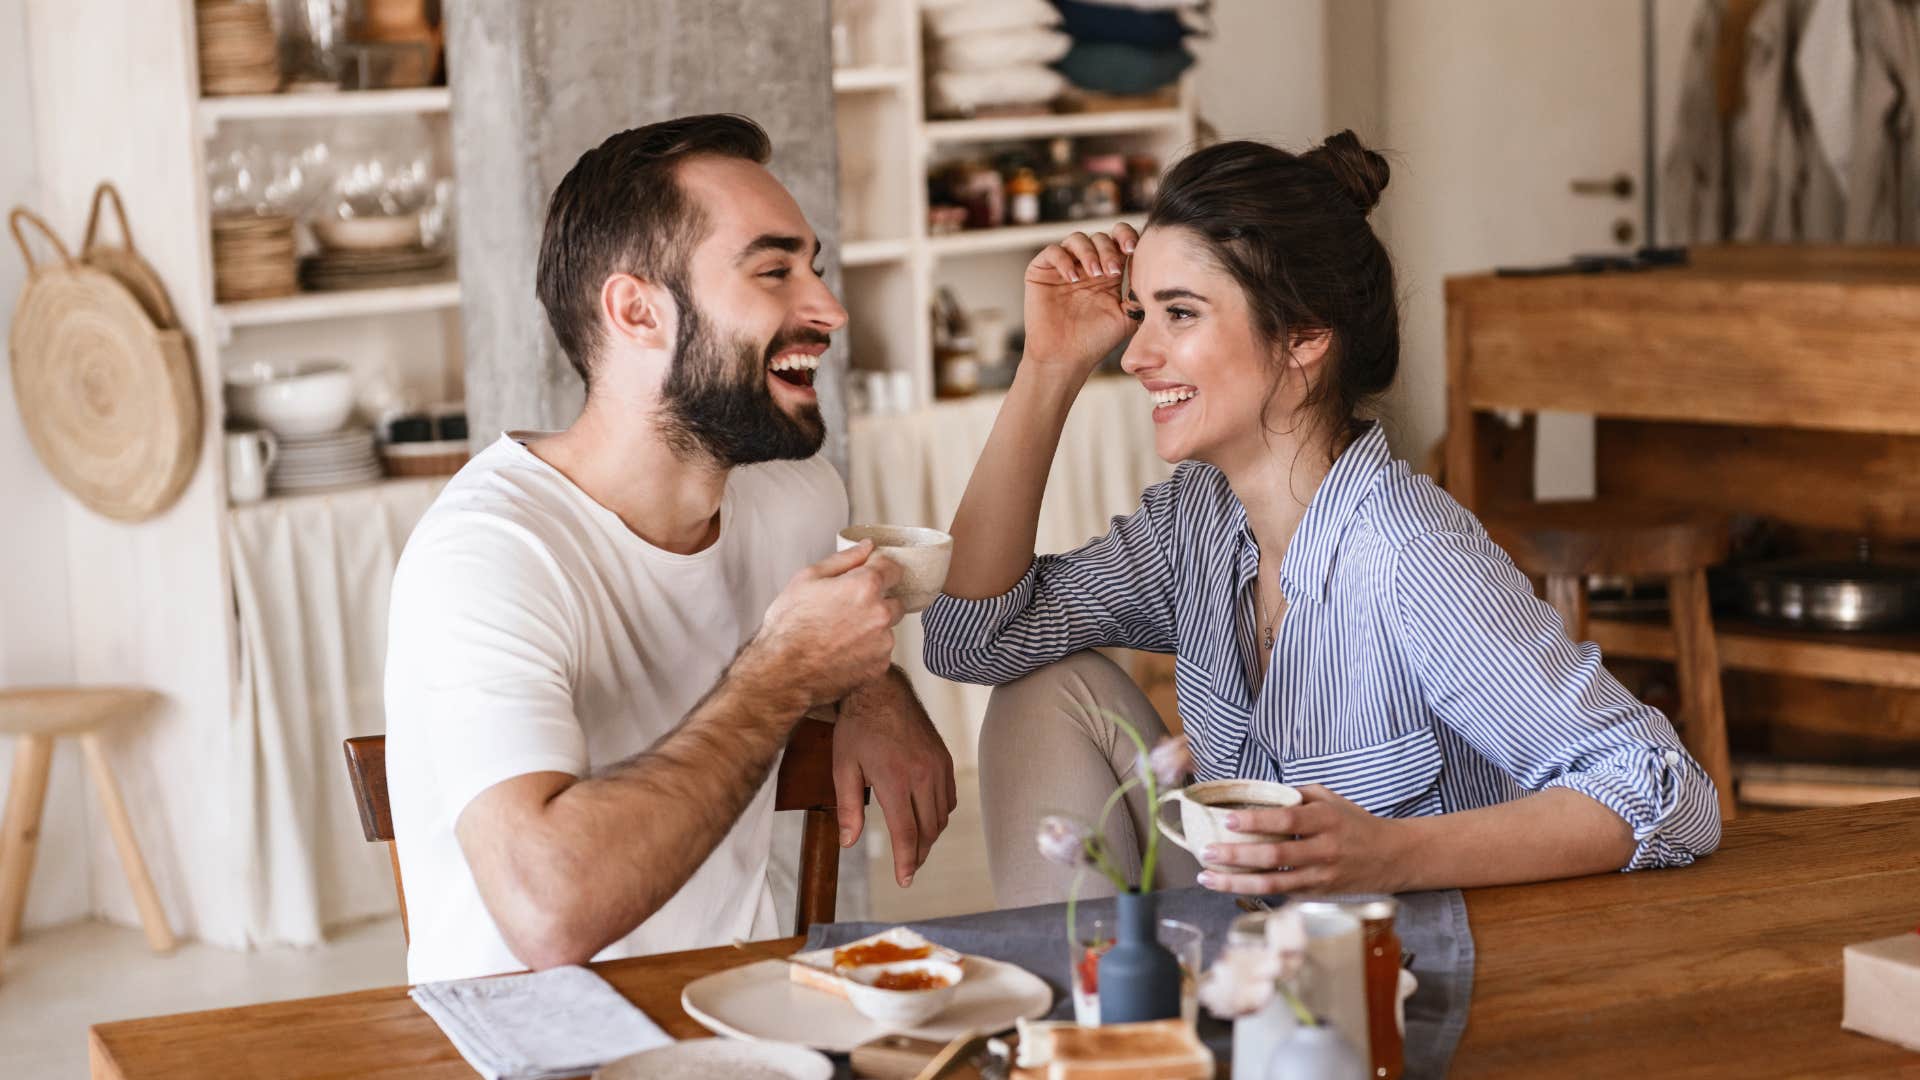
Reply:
x=38, y=716
x=1566, y=543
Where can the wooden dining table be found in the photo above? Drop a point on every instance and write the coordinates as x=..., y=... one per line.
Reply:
x=1730, y=967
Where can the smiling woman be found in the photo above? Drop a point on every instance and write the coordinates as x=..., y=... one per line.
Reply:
x=1340, y=624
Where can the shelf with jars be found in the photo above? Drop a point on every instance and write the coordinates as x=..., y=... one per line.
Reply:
x=942, y=205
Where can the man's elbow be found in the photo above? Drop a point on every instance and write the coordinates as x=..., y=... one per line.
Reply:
x=543, y=933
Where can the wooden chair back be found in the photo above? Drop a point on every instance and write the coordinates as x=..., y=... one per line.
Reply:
x=805, y=783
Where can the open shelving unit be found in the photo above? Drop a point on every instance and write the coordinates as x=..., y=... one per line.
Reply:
x=893, y=267
x=406, y=336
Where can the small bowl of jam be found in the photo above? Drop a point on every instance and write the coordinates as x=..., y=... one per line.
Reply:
x=903, y=994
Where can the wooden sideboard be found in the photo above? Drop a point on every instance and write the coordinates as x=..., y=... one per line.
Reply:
x=1780, y=382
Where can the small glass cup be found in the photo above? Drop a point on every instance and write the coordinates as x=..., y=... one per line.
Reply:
x=1096, y=936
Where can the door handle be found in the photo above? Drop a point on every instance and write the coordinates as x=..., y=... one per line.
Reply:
x=1619, y=186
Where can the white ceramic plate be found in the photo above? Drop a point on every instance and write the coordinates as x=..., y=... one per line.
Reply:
x=330, y=469
x=721, y=1059
x=304, y=469
x=757, y=1002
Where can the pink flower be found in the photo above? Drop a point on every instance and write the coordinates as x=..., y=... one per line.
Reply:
x=1240, y=982
x=1063, y=840
x=1287, y=940
x=1171, y=761
x=1246, y=974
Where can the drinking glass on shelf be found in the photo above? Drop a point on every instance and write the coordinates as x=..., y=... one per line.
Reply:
x=1093, y=937
x=312, y=33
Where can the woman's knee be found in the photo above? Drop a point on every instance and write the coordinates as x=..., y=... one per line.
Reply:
x=1070, y=696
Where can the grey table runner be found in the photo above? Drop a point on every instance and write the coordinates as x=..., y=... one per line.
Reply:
x=1432, y=926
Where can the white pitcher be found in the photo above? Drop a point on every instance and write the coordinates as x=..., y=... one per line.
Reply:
x=249, y=455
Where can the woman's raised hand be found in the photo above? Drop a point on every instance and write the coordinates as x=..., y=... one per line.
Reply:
x=1074, y=311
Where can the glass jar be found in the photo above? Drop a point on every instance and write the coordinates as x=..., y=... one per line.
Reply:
x=1023, y=198
x=1143, y=182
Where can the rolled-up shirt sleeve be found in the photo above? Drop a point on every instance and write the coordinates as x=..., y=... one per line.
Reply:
x=1116, y=590
x=1497, y=668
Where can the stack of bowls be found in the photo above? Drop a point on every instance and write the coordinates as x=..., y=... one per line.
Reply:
x=253, y=257
x=308, y=404
x=239, y=53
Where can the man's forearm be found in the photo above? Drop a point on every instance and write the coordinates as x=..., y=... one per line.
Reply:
x=613, y=848
x=994, y=529
x=1556, y=833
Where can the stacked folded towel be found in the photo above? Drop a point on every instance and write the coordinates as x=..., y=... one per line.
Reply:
x=1126, y=48
x=564, y=1021
x=992, y=54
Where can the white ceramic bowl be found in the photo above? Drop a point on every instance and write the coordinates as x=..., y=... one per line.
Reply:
x=902, y=1008
x=292, y=398
x=923, y=555
x=367, y=233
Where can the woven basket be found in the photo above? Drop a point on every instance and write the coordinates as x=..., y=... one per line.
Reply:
x=239, y=53
x=108, y=399
x=446, y=461
x=123, y=262
x=253, y=258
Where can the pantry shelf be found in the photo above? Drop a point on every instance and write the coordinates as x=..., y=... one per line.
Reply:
x=874, y=252
x=1019, y=237
x=1054, y=125
x=317, y=306
x=213, y=111
x=868, y=79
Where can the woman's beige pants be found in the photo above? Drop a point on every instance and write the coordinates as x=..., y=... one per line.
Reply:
x=1046, y=749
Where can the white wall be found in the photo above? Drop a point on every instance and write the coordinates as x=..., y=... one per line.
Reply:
x=1483, y=130
x=1263, y=74
x=36, y=643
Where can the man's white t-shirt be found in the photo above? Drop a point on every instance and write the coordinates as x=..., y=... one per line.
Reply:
x=531, y=631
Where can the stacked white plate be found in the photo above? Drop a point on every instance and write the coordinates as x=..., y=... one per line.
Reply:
x=318, y=462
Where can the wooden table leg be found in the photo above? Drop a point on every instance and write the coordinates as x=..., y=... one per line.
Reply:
x=20, y=833
x=152, y=916
x=1697, y=659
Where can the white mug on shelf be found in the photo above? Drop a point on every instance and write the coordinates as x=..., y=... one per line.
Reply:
x=249, y=455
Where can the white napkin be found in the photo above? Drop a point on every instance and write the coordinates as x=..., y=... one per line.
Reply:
x=564, y=1021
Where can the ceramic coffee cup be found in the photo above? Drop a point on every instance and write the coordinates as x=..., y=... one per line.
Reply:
x=922, y=555
x=1204, y=808
x=249, y=455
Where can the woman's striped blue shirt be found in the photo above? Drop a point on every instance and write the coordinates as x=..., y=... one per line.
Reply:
x=1414, y=671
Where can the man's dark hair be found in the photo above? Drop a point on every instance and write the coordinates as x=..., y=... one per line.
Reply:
x=621, y=209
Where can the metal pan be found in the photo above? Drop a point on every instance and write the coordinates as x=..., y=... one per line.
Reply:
x=1829, y=595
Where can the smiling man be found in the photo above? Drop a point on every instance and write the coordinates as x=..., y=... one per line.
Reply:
x=601, y=638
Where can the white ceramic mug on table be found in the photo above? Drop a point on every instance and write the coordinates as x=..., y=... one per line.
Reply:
x=249, y=455
x=1204, y=810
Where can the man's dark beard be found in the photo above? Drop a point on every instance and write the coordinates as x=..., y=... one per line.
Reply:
x=718, y=404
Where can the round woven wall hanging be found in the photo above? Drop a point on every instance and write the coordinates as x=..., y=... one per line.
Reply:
x=108, y=398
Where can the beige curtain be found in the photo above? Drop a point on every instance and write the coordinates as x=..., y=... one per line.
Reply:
x=311, y=575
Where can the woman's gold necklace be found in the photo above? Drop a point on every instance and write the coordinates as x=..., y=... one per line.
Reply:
x=1266, y=623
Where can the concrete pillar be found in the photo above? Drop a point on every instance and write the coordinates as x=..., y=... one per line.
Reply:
x=535, y=85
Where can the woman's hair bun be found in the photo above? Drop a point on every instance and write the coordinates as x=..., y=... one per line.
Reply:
x=1360, y=172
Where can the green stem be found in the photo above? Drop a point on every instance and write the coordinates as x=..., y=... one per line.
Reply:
x=1105, y=866
x=1100, y=827
x=1073, y=936
x=1300, y=1010
x=1153, y=801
